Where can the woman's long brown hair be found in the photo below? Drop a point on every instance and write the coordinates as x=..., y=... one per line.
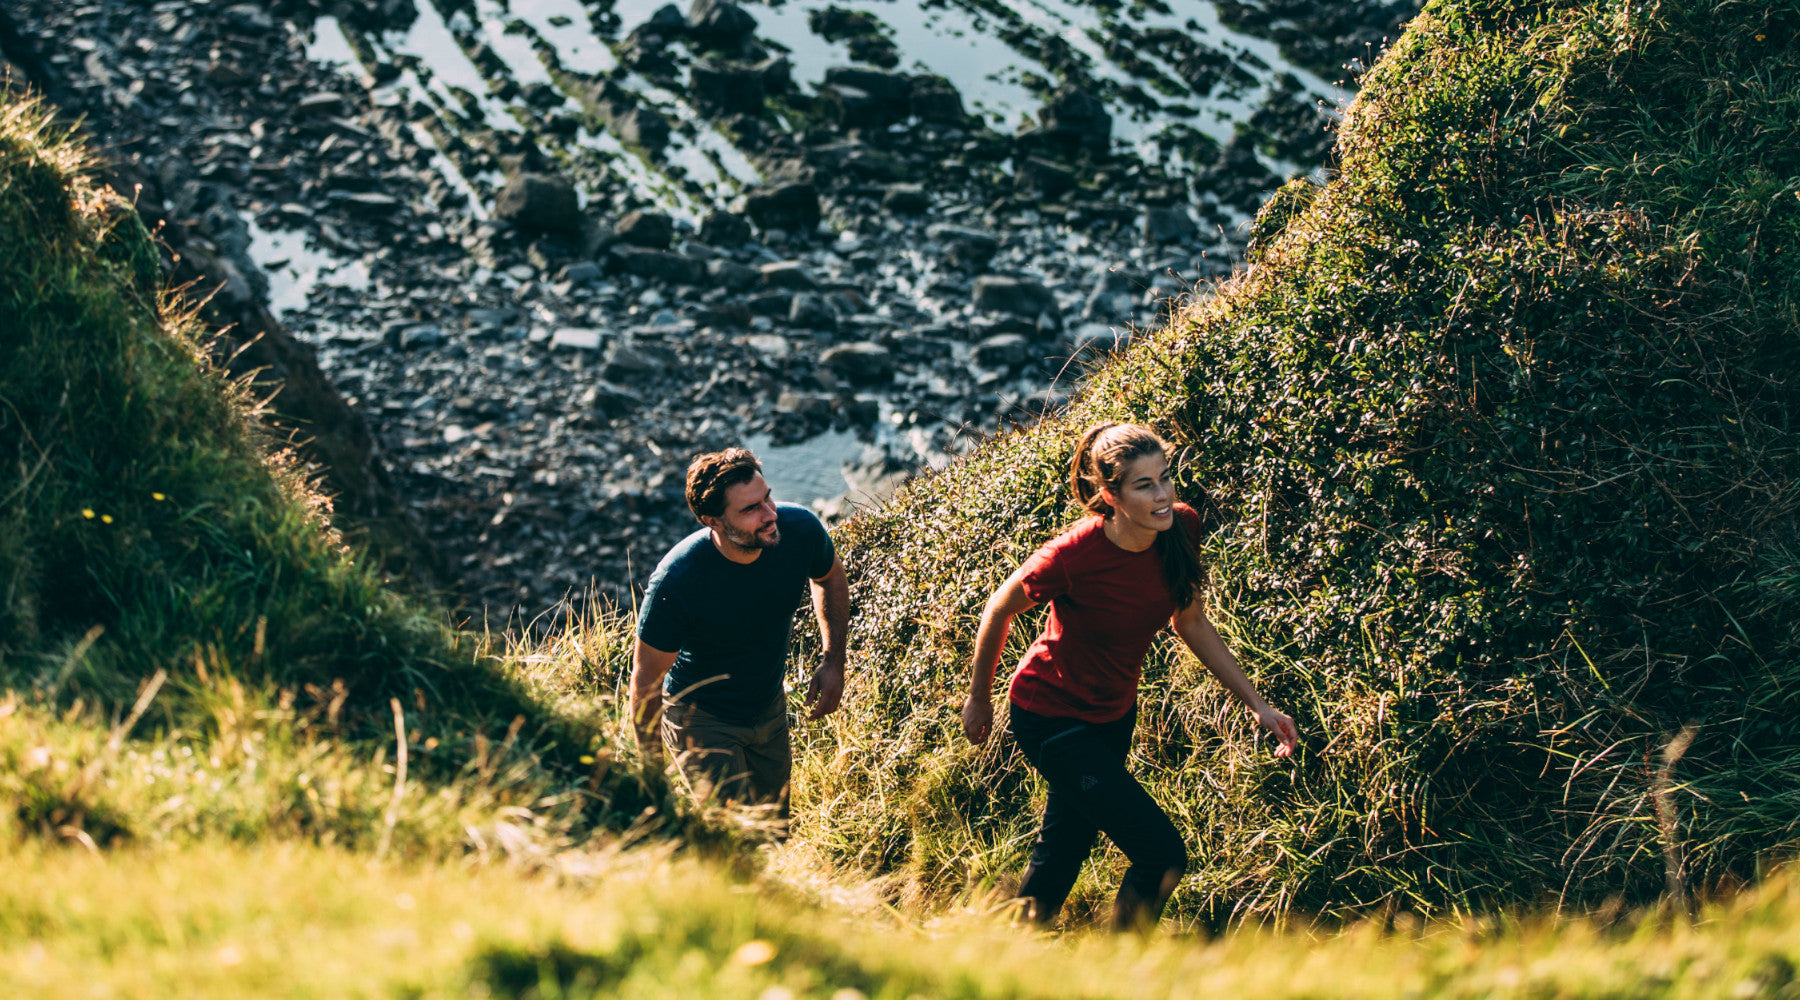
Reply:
x=1099, y=462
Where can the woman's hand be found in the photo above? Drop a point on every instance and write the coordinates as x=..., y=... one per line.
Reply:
x=978, y=719
x=1283, y=728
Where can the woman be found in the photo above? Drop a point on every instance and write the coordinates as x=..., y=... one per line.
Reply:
x=1112, y=581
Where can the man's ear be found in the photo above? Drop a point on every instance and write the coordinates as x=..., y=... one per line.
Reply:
x=710, y=522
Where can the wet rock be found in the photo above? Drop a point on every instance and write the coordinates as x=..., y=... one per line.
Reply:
x=812, y=311
x=860, y=363
x=777, y=74
x=248, y=20
x=790, y=274
x=726, y=88
x=834, y=23
x=667, y=20
x=1076, y=119
x=719, y=23
x=646, y=50
x=792, y=207
x=731, y=275
x=770, y=304
x=608, y=400
x=865, y=98
x=1005, y=350
x=1042, y=178
x=642, y=127
x=646, y=229
x=722, y=316
x=935, y=99
x=413, y=336
x=1017, y=296
x=856, y=158
x=322, y=104
x=1169, y=224
x=725, y=229
x=660, y=266
x=809, y=406
x=579, y=338
x=874, y=50
x=906, y=199
x=582, y=272
x=966, y=248
x=366, y=204
x=627, y=361
x=539, y=203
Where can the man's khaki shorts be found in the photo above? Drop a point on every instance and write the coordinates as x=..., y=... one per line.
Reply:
x=748, y=763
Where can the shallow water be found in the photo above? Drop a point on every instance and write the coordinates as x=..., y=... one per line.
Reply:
x=810, y=471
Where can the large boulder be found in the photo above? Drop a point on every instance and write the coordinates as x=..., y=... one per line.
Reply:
x=867, y=98
x=1042, y=178
x=719, y=23
x=966, y=248
x=792, y=207
x=860, y=363
x=642, y=127
x=539, y=203
x=1075, y=118
x=724, y=229
x=1016, y=296
x=935, y=99
x=726, y=88
x=657, y=265
x=646, y=229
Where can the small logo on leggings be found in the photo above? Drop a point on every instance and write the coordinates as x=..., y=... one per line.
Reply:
x=1088, y=782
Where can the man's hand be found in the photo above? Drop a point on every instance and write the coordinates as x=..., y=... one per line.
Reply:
x=825, y=691
x=978, y=719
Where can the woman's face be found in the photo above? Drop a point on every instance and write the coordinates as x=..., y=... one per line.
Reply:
x=1146, y=495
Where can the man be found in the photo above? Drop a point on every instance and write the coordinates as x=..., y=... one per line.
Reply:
x=713, y=633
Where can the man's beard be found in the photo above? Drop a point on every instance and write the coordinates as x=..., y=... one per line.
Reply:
x=750, y=539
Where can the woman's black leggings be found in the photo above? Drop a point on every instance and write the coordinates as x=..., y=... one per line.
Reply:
x=1092, y=792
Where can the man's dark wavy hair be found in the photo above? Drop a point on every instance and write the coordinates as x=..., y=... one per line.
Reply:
x=711, y=474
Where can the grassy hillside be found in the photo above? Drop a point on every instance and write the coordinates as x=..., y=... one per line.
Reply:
x=187, y=649
x=1496, y=443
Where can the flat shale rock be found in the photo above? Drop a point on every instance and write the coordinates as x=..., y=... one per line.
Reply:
x=539, y=203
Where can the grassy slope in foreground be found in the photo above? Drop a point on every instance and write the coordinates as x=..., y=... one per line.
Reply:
x=165, y=576
x=290, y=920
x=1496, y=443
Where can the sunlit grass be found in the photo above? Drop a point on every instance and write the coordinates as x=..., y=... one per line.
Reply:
x=283, y=919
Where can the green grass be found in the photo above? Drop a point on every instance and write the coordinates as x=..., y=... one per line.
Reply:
x=188, y=650
x=1495, y=443
x=285, y=919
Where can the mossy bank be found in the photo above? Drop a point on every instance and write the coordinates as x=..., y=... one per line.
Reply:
x=1495, y=439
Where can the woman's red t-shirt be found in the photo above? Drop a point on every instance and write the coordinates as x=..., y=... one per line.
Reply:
x=1106, y=605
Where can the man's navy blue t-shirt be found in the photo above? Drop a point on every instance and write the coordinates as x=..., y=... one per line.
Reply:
x=728, y=622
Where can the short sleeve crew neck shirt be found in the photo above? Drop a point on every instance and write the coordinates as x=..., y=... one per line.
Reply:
x=728, y=623
x=1106, y=605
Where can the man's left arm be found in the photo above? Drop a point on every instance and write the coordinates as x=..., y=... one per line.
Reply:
x=831, y=605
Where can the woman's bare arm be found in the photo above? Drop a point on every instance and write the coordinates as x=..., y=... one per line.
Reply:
x=996, y=619
x=1197, y=631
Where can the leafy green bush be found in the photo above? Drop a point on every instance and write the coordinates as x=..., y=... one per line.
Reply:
x=1496, y=441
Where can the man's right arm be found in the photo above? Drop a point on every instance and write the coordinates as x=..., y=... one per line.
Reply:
x=649, y=666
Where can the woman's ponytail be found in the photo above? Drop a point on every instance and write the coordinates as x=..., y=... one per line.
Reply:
x=1085, y=477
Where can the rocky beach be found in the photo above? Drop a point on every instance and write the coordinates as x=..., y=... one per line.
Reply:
x=544, y=251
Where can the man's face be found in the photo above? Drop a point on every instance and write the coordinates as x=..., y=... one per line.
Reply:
x=748, y=520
